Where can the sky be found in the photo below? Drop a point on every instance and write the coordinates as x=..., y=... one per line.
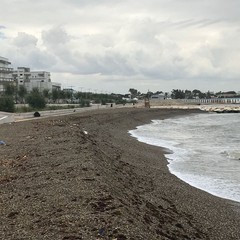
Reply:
x=112, y=46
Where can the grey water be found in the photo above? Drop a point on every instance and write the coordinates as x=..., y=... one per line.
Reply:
x=205, y=150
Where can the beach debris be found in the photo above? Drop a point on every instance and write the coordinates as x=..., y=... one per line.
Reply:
x=22, y=158
x=2, y=142
x=84, y=132
x=101, y=232
x=36, y=114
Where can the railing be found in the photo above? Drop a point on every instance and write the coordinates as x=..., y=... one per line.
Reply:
x=169, y=102
x=3, y=69
x=213, y=100
x=4, y=79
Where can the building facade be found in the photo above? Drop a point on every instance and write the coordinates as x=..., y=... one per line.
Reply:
x=25, y=77
x=34, y=79
x=5, y=73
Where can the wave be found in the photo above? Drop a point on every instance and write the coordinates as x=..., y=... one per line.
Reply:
x=202, y=148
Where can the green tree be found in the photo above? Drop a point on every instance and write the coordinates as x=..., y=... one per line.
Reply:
x=7, y=104
x=36, y=100
x=196, y=93
x=46, y=93
x=55, y=95
x=62, y=95
x=133, y=92
x=22, y=92
x=9, y=89
x=188, y=94
x=177, y=94
x=85, y=103
x=208, y=94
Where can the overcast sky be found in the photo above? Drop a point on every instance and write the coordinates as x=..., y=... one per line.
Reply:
x=111, y=46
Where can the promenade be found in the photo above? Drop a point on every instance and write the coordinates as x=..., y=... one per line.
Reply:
x=18, y=117
x=210, y=105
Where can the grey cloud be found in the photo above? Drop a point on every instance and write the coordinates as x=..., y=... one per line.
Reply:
x=155, y=40
x=133, y=53
x=2, y=35
x=25, y=40
x=55, y=36
x=28, y=52
x=195, y=23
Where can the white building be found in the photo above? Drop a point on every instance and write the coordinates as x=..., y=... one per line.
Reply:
x=21, y=75
x=159, y=96
x=5, y=73
x=36, y=79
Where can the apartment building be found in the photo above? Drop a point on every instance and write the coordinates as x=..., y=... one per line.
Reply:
x=5, y=73
x=25, y=77
x=34, y=79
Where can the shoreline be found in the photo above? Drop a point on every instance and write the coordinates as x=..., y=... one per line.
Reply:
x=57, y=182
x=165, y=142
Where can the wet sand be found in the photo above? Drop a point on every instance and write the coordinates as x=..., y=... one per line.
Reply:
x=83, y=176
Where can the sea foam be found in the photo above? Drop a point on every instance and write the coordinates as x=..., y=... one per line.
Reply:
x=204, y=150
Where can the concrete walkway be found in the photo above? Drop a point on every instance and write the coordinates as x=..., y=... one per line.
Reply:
x=17, y=117
x=6, y=117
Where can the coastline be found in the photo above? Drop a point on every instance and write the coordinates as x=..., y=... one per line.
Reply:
x=57, y=182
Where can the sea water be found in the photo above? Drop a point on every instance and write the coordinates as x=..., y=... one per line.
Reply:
x=204, y=150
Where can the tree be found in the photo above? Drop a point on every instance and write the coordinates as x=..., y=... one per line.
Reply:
x=7, y=104
x=46, y=93
x=177, y=94
x=55, y=95
x=62, y=95
x=133, y=92
x=196, y=93
x=22, y=92
x=149, y=94
x=188, y=94
x=208, y=94
x=158, y=92
x=36, y=100
x=9, y=89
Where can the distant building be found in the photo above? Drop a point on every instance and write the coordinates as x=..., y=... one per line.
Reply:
x=230, y=94
x=69, y=90
x=25, y=77
x=35, y=79
x=159, y=96
x=5, y=73
x=21, y=76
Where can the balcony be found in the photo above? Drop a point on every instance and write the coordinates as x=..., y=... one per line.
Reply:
x=6, y=79
x=6, y=70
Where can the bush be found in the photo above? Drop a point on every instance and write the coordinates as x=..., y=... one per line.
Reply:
x=36, y=100
x=7, y=104
x=23, y=109
x=85, y=103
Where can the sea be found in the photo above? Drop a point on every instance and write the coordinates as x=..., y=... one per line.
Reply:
x=202, y=149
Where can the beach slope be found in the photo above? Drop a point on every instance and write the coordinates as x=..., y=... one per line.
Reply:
x=84, y=177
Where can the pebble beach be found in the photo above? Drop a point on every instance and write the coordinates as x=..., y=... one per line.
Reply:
x=83, y=176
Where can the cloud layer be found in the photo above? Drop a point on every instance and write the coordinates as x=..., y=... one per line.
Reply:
x=154, y=44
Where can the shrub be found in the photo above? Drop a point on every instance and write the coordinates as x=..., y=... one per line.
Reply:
x=7, y=104
x=85, y=103
x=36, y=100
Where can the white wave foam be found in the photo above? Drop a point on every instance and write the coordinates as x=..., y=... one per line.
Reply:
x=203, y=148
